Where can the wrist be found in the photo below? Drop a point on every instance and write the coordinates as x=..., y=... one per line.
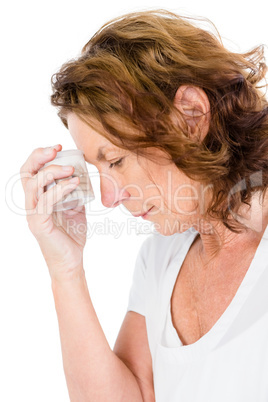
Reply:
x=70, y=293
x=75, y=276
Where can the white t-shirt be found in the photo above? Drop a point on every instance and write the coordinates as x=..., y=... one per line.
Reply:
x=230, y=362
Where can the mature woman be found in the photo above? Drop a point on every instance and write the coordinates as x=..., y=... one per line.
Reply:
x=180, y=124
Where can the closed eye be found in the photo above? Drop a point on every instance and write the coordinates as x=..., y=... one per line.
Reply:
x=117, y=163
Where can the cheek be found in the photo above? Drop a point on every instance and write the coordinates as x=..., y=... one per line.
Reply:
x=135, y=185
x=158, y=190
x=179, y=193
x=161, y=185
x=185, y=200
x=136, y=181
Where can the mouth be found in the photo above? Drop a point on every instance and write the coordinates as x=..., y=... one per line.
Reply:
x=144, y=214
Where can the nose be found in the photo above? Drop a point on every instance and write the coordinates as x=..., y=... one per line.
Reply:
x=112, y=194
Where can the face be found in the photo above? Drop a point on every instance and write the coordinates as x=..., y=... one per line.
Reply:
x=159, y=192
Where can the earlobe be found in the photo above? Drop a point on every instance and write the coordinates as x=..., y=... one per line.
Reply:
x=193, y=104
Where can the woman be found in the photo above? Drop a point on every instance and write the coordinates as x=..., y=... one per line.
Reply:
x=178, y=129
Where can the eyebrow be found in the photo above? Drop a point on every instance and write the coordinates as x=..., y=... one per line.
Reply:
x=101, y=155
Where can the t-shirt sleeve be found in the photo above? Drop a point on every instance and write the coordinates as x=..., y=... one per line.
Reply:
x=138, y=294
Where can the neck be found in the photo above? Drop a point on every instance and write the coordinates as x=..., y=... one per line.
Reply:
x=216, y=239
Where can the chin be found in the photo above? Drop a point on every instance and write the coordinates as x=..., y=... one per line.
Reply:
x=169, y=228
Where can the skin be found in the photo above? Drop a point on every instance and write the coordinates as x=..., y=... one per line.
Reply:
x=138, y=183
x=176, y=202
x=218, y=259
x=206, y=279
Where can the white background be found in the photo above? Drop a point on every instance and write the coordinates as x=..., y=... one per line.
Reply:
x=36, y=38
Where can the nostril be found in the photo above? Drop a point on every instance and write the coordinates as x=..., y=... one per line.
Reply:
x=116, y=204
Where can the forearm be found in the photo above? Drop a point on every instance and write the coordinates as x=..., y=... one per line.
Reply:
x=93, y=371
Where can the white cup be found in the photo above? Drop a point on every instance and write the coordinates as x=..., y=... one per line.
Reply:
x=83, y=193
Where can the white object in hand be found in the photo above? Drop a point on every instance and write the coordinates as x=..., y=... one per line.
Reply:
x=83, y=193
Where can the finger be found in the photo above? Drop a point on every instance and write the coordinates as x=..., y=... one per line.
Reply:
x=54, y=195
x=49, y=175
x=38, y=158
x=36, y=184
x=74, y=211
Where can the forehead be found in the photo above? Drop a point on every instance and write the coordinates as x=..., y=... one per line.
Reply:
x=95, y=146
x=82, y=133
x=88, y=139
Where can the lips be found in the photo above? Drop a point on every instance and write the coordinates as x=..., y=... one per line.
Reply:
x=142, y=215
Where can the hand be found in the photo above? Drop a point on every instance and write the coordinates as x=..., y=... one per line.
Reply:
x=61, y=235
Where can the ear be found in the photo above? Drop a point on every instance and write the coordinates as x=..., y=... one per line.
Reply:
x=194, y=106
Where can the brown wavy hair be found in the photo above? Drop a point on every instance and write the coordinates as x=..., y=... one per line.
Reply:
x=126, y=79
